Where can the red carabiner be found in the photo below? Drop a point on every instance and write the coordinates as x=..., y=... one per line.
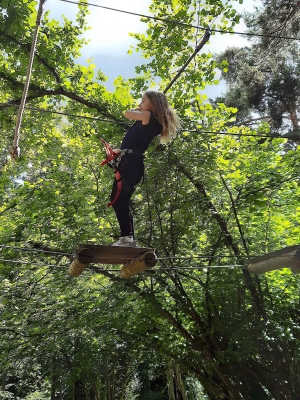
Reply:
x=110, y=154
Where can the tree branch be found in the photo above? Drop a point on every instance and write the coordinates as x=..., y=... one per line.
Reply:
x=38, y=92
x=235, y=215
x=228, y=237
x=27, y=46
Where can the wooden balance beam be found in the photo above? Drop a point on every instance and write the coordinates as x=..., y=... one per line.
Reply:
x=135, y=259
x=288, y=257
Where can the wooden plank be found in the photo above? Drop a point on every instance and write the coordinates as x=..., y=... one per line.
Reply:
x=275, y=253
x=272, y=263
x=289, y=257
x=113, y=254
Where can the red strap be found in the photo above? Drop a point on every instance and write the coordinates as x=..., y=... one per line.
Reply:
x=107, y=160
x=119, y=186
x=110, y=154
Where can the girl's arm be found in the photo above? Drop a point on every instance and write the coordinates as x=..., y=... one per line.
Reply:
x=138, y=115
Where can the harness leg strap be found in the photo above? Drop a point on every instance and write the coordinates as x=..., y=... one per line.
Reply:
x=122, y=184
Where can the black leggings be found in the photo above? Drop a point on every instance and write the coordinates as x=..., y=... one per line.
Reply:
x=131, y=169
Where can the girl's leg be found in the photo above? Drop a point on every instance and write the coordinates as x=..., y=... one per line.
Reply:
x=131, y=169
x=122, y=210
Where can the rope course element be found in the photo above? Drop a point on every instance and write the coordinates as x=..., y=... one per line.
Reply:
x=15, y=150
x=288, y=257
x=33, y=250
x=36, y=109
x=31, y=263
x=176, y=22
x=188, y=258
x=67, y=114
x=96, y=268
x=191, y=260
x=158, y=269
x=201, y=267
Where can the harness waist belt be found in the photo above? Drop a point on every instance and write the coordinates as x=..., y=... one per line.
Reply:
x=133, y=151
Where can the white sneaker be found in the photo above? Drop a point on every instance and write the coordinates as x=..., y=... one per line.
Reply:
x=126, y=241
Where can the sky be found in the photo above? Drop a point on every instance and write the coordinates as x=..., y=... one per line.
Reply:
x=110, y=40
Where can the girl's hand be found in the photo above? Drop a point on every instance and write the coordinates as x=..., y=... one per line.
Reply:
x=117, y=151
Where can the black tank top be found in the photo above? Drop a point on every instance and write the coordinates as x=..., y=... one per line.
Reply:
x=140, y=136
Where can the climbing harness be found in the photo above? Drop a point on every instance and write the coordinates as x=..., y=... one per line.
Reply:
x=111, y=156
x=113, y=160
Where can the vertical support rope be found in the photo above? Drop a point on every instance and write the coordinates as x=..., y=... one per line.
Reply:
x=15, y=150
x=198, y=48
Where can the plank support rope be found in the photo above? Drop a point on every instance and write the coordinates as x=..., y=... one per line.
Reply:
x=15, y=150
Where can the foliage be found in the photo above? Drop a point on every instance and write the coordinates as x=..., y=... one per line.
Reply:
x=276, y=20
x=263, y=79
x=264, y=91
x=171, y=38
x=194, y=327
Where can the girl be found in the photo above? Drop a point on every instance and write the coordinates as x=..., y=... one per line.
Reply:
x=153, y=117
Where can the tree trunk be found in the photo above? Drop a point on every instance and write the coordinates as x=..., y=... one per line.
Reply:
x=170, y=379
x=294, y=118
x=3, y=381
x=54, y=379
x=180, y=390
x=176, y=388
x=79, y=392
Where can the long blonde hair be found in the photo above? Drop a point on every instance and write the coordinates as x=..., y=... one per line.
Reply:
x=165, y=115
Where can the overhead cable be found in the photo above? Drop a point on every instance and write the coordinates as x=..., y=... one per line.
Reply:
x=285, y=137
x=176, y=22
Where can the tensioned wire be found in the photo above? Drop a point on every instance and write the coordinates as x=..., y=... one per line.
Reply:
x=188, y=258
x=176, y=22
x=36, y=109
x=96, y=268
x=28, y=250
